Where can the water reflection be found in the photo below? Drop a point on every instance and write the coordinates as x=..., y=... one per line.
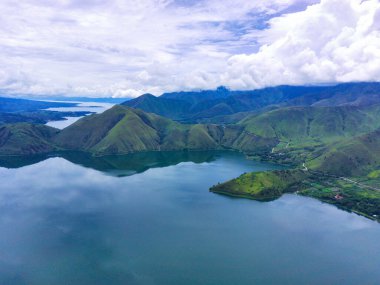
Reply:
x=62, y=223
x=117, y=165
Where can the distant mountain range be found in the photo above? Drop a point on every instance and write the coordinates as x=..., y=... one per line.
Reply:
x=12, y=105
x=197, y=106
x=13, y=110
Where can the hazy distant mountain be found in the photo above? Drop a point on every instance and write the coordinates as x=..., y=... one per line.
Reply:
x=195, y=106
x=10, y=105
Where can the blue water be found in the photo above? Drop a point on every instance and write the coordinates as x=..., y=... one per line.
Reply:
x=150, y=219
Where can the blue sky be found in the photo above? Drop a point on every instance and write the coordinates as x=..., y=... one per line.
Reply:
x=126, y=48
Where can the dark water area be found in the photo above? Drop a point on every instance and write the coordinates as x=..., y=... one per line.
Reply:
x=149, y=218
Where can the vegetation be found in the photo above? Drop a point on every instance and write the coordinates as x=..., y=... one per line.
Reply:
x=38, y=117
x=314, y=124
x=328, y=135
x=267, y=185
x=26, y=139
x=346, y=195
x=14, y=110
x=205, y=105
x=171, y=108
x=126, y=130
x=356, y=156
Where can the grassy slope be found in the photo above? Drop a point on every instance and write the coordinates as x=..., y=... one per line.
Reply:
x=262, y=185
x=170, y=108
x=318, y=124
x=330, y=139
x=356, y=156
x=125, y=130
x=26, y=139
x=87, y=132
x=348, y=141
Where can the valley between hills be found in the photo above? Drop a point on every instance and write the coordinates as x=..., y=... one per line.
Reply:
x=328, y=137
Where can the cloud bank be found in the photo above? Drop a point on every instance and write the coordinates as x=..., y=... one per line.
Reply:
x=334, y=41
x=126, y=48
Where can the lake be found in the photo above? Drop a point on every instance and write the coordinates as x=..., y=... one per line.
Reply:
x=95, y=107
x=149, y=219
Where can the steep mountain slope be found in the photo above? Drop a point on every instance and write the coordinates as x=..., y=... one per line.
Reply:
x=354, y=94
x=197, y=106
x=326, y=138
x=193, y=106
x=194, y=98
x=356, y=156
x=171, y=108
x=321, y=124
x=125, y=130
x=26, y=139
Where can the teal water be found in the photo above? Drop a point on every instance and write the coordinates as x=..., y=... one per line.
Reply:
x=150, y=219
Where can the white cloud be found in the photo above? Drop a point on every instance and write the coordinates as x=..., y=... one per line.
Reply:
x=333, y=41
x=125, y=48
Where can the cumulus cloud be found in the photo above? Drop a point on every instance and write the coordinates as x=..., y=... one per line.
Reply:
x=333, y=41
x=126, y=48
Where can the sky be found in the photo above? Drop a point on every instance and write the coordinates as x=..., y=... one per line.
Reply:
x=125, y=48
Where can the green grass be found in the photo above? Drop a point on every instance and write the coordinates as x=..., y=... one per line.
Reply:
x=314, y=124
x=26, y=139
x=357, y=156
x=123, y=130
x=374, y=174
x=262, y=185
x=356, y=199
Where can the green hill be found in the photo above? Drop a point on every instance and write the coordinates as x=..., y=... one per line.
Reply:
x=167, y=107
x=26, y=139
x=126, y=130
x=352, y=157
x=267, y=185
x=319, y=124
x=348, y=137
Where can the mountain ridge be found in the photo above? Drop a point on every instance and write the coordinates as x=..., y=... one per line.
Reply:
x=196, y=106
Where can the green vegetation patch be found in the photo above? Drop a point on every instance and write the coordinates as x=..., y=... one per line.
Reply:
x=347, y=196
x=263, y=185
x=374, y=174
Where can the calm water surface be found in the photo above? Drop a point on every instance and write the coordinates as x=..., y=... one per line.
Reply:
x=95, y=107
x=150, y=219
